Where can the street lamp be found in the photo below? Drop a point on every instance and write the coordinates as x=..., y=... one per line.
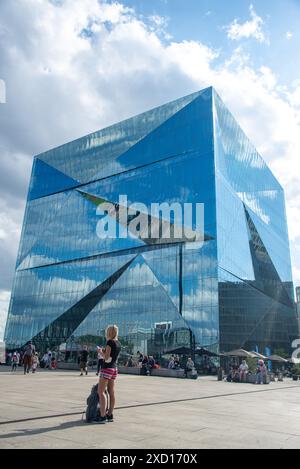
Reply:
x=192, y=344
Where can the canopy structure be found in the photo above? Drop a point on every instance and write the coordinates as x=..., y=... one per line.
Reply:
x=277, y=358
x=240, y=353
x=188, y=351
x=202, y=352
x=259, y=356
x=180, y=351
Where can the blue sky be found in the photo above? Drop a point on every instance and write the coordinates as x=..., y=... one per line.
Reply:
x=204, y=20
x=71, y=67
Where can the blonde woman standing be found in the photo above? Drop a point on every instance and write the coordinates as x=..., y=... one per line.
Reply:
x=108, y=374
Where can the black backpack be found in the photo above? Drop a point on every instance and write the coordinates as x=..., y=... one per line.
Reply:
x=92, y=409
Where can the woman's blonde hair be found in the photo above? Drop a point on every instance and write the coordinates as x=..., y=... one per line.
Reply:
x=112, y=332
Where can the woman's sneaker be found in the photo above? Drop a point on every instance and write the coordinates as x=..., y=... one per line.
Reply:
x=110, y=418
x=100, y=420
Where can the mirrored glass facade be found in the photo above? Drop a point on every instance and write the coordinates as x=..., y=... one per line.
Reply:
x=233, y=290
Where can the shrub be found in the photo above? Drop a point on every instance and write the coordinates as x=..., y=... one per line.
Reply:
x=296, y=370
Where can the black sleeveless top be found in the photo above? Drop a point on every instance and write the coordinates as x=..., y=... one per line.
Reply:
x=115, y=351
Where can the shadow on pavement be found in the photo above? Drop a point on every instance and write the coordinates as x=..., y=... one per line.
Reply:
x=39, y=431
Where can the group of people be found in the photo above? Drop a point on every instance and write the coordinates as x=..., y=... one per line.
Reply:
x=84, y=360
x=49, y=360
x=27, y=357
x=30, y=360
x=189, y=366
x=238, y=374
x=146, y=362
x=15, y=360
x=174, y=363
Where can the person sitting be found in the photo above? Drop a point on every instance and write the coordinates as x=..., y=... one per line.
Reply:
x=53, y=363
x=176, y=363
x=229, y=376
x=189, y=367
x=145, y=366
x=130, y=363
x=171, y=364
x=44, y=361
x=139, y=358
x=151, y=363
x=233, y=375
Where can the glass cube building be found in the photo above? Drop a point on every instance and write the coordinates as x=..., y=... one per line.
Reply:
x=235, y=290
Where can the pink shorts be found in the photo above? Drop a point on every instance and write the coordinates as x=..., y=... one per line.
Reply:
x=109, y=373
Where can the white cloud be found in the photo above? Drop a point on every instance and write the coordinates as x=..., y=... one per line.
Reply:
x=2, y=92
x=74, y=68
x=159, y=25
x=4, y=302
x=252, y=28
x=296, y=274
x=294, y=95
x=289, y=35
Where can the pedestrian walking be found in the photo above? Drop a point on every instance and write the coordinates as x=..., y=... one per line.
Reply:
x=15, y=361
x=84, y=355
x=27, y=357
x=100, y=361
x=49, y=359
x=261, y=372
x=35, y=362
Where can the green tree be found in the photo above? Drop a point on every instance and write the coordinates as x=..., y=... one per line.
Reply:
x=282, y=353
x=252, y=363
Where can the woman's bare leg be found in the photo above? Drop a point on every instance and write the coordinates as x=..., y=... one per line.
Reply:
x=102, y=396
x=112, y=397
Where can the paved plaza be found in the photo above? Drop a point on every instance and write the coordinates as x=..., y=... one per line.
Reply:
x=45, y=411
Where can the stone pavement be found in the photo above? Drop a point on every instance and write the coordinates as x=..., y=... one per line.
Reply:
x=45, y=411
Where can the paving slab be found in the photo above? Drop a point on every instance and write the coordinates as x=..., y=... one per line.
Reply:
x=45, y=410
